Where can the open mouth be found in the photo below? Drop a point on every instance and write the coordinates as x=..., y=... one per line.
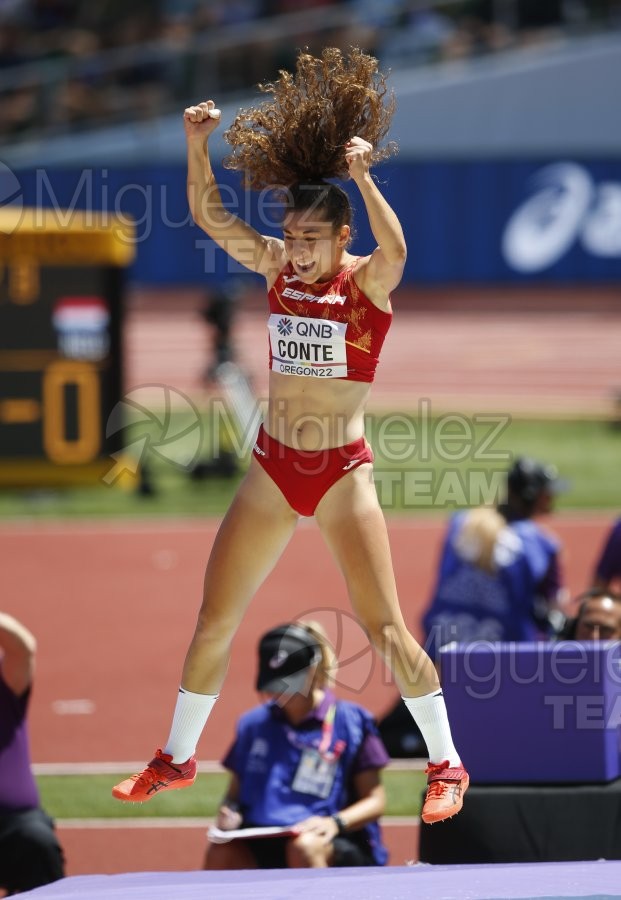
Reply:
x=304, y=268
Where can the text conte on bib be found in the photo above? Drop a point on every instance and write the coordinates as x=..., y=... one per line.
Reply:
x=304, y=346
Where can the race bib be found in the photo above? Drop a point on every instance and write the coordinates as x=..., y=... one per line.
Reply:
x=302, y=346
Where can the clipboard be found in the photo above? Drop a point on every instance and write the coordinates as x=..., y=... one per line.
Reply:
x=218, y=836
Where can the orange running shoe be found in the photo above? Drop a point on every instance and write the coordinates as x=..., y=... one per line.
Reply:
x=159, y=775
x=445, y=794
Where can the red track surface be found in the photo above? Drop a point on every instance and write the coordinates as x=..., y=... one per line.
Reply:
x=113, y=607
x=107, y=851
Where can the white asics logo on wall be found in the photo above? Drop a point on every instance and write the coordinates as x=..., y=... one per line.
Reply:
x=568, y=206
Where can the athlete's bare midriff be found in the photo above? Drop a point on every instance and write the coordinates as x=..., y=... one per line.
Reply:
x=313, y=414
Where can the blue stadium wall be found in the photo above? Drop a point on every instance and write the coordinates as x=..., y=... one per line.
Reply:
x=554, y=221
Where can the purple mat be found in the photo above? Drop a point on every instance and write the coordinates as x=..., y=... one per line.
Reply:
x=544, y=880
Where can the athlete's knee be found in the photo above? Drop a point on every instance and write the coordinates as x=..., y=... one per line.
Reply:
x=393, y=642
x=383, y=630
x=375, y=631
x=216, y=626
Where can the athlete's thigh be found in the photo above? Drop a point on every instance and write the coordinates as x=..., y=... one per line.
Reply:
x=353, y=525
x=249, y=542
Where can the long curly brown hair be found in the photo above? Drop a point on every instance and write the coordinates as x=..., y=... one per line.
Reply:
x=299, y=136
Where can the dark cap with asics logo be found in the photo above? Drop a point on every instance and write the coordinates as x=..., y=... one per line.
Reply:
x=285, y=655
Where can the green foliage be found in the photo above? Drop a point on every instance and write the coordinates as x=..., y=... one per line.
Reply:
x=404, y=792
x=422, y=464
x=456, y=461
x=89, y=797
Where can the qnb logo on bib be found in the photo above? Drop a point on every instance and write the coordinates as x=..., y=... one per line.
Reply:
x=285, y=327
x=305, y=346
x=567, y=207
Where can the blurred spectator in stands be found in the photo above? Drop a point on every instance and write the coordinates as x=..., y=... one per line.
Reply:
x=536, y=18
x=50, y=14
x=418, y=35
x=598, y=618
x=183, y=9
x=237, y=12
x=283, y=7
x=15, y=46
x=140, y=79
x=380, y=15
x=171, y=60
x=481, y=27
x=608, y=568
x=303, y=759
x=499, y=580
x=18, y=109
x=77, y=44
x=14, y=10
x=79, y=100
x=30, y=854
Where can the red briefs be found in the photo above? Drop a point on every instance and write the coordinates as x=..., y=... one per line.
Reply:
x=304, y=476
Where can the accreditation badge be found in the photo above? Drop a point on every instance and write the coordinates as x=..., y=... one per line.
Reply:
x=315, y=774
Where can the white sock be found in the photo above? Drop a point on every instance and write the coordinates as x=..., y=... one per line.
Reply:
x=429, y=713
x=191, y=714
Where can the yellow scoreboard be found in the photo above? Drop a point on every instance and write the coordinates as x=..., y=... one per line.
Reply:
x=62, y=277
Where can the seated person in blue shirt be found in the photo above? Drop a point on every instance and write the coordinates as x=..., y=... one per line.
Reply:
x=304, y=759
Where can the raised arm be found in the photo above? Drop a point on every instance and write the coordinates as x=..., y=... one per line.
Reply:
x=255, y=251
x=384, y=269
x=17, y=646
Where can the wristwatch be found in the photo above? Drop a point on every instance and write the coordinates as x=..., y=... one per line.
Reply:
x=340, y=824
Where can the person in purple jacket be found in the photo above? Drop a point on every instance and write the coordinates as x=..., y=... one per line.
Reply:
x=303, y=759
x=30, y=854
x=608, y=568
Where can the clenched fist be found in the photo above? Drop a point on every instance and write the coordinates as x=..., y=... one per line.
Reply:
x=199, y=121
x=358, y=157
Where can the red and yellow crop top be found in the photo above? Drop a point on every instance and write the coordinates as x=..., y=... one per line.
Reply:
x=324, y=330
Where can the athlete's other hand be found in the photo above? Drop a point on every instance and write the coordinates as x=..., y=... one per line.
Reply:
x=197, y=121
x=358, y=157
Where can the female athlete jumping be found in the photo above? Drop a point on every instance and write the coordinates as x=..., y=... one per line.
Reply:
x=329, y=314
